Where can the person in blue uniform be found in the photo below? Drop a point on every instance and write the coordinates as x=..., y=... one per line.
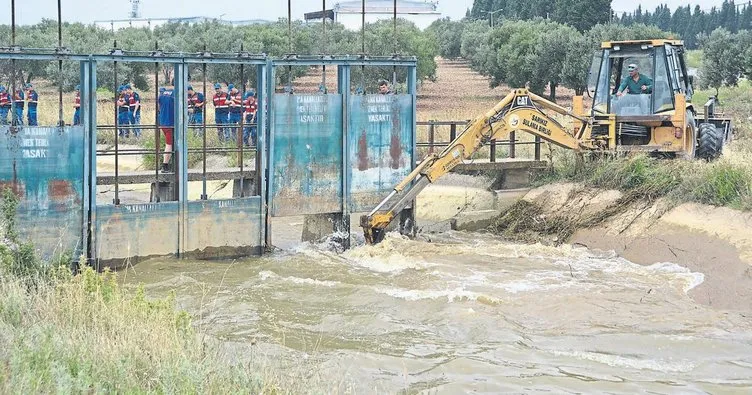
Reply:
x=123, y=109
x=196, y=101
x=134, y=107
x=221, y=111
x=18, y=103
x=32, y=98
x=236, y=111
x=166, y=118
x=4, y=105
x=250, y=107
x=77, y=106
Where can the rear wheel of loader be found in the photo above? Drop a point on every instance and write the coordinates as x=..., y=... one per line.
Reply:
x=711, y=142
x=690, y=138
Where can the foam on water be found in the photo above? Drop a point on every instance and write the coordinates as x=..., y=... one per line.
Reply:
x=665, y=272
x=267, y=275
x=665, y=366
x=451, y=295
x=547, y=268
x=575, y=262
x=390, y=256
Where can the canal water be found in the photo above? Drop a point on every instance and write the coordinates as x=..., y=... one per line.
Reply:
x=463, y=313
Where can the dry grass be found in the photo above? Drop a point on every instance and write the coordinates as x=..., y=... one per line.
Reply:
x=61, y=333
x=461, y=94
x=86, y=334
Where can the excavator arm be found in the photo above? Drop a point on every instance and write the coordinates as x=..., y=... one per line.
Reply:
x=521, y=110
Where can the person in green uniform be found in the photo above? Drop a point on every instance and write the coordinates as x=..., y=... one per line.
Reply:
x=636, y=83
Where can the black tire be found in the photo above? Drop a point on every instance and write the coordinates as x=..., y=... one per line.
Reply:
x=690, y=151
x=710, y=142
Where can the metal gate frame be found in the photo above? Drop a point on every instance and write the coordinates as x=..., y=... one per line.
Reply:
x=265, y=70
x=344, y=66
x=181, y=62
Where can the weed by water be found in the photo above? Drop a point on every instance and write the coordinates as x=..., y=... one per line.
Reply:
x=725, y=182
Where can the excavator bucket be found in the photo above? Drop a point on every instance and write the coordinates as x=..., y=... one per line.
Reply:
x=372, y=235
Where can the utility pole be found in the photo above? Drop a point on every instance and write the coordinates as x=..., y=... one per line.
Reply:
x=490, y=16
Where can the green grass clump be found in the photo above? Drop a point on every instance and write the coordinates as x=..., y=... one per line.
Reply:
x=725, y=182
x=640, y=175
x=86, y=334
x=723, y=185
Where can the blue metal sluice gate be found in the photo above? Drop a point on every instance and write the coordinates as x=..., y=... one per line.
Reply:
x=333, y=153
x=343, y=152
x=44, y=166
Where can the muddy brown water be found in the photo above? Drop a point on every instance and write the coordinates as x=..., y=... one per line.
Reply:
x=464, y=313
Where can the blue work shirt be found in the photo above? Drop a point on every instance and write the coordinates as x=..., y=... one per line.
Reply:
x=33, y=99
x=18, y=99
x=167, y=109
x=635, y=87
x=196, y=99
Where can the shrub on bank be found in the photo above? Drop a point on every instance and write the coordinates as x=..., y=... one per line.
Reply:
x=726, y=182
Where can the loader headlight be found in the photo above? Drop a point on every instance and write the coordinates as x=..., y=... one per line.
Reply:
x=678, y=133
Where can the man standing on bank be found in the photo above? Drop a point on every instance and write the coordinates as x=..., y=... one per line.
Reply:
x=167, y=124
x=4, y=105
x=18, y=107
x=221, y=111
x=33, y=98
x=250, y=107
x=134, y=105
x=236, y=111
x=196, y=108
x=77, y=106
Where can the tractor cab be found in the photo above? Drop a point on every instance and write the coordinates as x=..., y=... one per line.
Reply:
x=638, y=78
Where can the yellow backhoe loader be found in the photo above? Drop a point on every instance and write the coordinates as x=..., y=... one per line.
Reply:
x=641, y=102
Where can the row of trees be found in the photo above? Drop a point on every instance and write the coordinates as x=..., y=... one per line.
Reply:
x=693, y=24
x=271, y=39
x=538, y=52
x=580, y=14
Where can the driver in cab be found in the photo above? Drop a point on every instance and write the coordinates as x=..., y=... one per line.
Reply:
x=636, y=83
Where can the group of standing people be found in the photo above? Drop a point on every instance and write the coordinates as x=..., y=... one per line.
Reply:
x=13, y=103
x=230, y=108
x=128, y=111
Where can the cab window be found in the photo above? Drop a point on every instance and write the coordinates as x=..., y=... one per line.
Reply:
x=663, y=91
x=634, y=101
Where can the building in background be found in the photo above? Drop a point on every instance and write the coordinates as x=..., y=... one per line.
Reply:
x=348, y=13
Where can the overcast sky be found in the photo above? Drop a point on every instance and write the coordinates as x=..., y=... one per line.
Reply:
x=32, y=11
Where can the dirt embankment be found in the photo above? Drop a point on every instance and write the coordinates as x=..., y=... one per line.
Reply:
x=715, y=241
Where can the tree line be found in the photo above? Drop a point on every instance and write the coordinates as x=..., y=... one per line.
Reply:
x=540, y=53
x=579, y=14
x=271, y=39
x=694, y=23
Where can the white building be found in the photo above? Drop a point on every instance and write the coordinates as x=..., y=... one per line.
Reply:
x=349, y=13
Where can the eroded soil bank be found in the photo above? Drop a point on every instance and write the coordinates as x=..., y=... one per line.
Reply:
x=715, y=241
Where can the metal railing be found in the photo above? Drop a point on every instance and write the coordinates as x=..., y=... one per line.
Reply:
x=455, y=127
